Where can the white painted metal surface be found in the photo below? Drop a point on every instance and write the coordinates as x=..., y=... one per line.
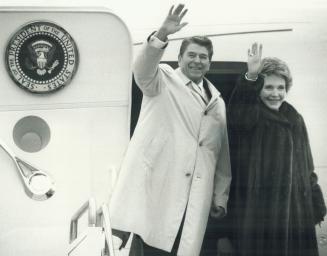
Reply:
x=88, y=122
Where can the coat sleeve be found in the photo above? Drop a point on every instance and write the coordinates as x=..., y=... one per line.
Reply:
x=318, y=202
x=223, y=175
x=146, y=70
x=243, y=107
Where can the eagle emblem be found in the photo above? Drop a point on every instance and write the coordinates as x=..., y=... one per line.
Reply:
x=40, y=57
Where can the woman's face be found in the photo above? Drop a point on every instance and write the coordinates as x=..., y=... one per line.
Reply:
x=273, y=92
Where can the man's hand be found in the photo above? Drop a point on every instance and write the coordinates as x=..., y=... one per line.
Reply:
x=254, y=61
x=217, y=212
x=172, y=23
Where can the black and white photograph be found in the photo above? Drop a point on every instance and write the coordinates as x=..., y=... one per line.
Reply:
x=157, y=128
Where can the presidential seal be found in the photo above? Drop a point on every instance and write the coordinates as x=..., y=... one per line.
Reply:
x=41, y=57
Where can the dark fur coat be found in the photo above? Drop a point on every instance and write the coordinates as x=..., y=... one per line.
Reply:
x=271, y=208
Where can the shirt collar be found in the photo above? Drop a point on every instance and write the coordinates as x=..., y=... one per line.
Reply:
x=185, y=79
x=201, y=86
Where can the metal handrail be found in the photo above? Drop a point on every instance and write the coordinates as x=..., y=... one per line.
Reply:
x=96, y=218
x=105, y=222
x=90, y=205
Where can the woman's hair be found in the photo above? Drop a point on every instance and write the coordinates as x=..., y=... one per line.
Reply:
x=277, y=67
x=200, y=40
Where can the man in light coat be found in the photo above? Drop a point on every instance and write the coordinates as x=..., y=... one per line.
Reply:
x=177, y=165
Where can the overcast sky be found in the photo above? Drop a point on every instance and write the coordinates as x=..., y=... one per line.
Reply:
x=142, y=16
x=138, y=13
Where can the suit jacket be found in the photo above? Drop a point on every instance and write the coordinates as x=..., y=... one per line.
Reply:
x=177, y=160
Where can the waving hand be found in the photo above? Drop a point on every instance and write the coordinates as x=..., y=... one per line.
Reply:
x=254, y=60
x=173, y=22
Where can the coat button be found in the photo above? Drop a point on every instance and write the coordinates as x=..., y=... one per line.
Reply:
x=205, y=113
x=200, y=144
x=188, y=174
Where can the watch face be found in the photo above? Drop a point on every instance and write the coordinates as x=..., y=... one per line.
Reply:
x=41, y=57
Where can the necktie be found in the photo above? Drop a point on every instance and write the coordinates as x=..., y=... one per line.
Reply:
x=196, y=89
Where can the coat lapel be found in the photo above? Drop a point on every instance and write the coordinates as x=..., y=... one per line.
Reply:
x=189, y=88
x=206, y=89
x=212, y=93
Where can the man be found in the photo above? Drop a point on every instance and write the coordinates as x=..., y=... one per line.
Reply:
x=177, y=164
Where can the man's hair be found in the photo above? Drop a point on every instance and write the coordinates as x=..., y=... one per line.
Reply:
x=200, y=40
x=277, y=67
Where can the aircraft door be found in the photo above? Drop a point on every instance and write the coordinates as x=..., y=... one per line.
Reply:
x=64, y=112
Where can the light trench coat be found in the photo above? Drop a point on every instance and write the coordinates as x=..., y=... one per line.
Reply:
x=177, y=160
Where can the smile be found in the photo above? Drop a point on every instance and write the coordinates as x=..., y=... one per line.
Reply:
x=196, y=69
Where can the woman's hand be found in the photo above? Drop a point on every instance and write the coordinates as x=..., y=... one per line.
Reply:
x=254, y=61
x=172, y=23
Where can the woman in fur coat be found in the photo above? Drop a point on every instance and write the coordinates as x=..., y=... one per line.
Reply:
x=275, y=200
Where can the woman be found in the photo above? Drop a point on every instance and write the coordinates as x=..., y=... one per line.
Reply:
x=275, y=199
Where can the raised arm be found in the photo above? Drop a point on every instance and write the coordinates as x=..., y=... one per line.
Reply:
x=172, y=23
x=147, y=75
x=242, y=107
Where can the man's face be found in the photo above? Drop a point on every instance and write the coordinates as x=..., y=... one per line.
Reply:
x=194, y=62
